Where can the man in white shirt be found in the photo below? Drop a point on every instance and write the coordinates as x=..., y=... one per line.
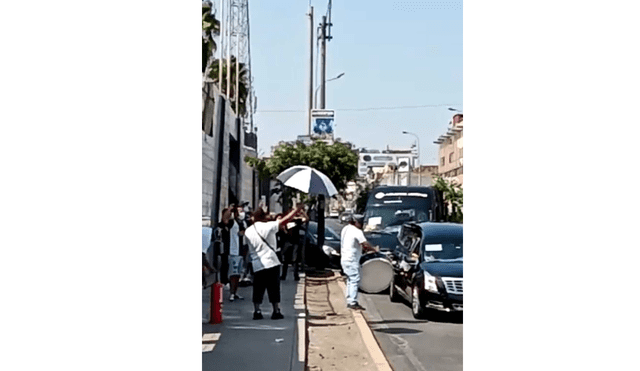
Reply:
x=261, y=238
x=352, y=241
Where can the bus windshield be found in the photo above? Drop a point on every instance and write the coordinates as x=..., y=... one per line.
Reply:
x=379, y=217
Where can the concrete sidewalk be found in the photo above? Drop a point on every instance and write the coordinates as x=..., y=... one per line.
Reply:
x=241, y=343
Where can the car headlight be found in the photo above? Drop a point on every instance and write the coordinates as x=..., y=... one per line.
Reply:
x=430, y=284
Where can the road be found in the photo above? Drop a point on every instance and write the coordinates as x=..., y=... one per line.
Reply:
x=434, y=344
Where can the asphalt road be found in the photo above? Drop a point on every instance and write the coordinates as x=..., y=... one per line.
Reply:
x=434, y=344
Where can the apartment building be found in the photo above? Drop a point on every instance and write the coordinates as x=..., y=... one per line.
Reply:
x=450, y=153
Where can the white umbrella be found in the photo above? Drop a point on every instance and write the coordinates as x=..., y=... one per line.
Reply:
x=307, y=180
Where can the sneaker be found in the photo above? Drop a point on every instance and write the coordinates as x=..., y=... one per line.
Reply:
x=257, y=315
x=231, y=298
x=277, y=315
x=237, y=297
x=355, y=306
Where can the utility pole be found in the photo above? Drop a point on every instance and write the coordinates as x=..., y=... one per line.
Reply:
x=310, y=101
x=229, y=26
x=222, y=45
x=323, y=56
x=323, y=60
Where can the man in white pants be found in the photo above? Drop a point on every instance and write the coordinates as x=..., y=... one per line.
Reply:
x=352, y=241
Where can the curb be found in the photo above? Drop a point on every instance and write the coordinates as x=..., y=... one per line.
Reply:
x=299, y=358
x=382, y=364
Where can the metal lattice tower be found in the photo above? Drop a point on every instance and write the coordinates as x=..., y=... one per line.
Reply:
x=235, y=41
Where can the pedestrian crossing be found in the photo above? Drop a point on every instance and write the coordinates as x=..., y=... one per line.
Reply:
x=209, y=341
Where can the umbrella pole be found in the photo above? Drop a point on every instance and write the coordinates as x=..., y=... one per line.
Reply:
x=304, y=247
x=321, y=207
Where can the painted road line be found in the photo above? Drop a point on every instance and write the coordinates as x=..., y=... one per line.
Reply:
x=302, y=339
x=211, y=337
x=367, y=336
x=397, y=340
x=256, y=328
x=301, y=310
x=209, y=341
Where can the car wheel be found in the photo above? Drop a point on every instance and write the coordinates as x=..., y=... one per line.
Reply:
x=416, y=306
x=393, y=292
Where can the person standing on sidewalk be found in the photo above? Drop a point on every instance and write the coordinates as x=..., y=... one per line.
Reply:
x=231, y=233
x=245, y=216
x=266, y=266
x=352, y=241
x=292, y=250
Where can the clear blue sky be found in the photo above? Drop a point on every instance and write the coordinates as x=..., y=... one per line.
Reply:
x=393, y=53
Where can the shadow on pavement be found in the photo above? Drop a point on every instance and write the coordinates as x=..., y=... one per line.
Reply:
x=444, y=317
x=398, y=331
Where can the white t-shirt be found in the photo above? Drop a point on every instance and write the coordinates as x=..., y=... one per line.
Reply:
x=262, y=256
x=350, y=240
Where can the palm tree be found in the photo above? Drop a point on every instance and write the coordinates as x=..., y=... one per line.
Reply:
x=243, y=83
x=210, y=27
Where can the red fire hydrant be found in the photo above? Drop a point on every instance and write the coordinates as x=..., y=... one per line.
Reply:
x=216, y=303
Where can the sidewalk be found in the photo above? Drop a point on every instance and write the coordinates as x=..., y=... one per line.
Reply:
x=241, y=343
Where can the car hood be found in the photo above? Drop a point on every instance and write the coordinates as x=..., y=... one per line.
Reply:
x=333, y=243
x=452, y=268
x=386, y=241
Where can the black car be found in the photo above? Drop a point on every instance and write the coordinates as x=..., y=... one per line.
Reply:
x=428, y=267
x=324, y=256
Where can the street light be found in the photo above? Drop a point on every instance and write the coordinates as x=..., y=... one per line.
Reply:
x=315, y=95
x=419, y=169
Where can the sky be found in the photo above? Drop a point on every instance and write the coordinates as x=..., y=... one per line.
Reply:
x=392, y=54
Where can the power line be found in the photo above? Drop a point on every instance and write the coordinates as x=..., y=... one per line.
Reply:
x=370, y=108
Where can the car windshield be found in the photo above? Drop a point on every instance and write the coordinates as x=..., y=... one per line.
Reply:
x=329, y=234
x=442, y=250
x=379, y=218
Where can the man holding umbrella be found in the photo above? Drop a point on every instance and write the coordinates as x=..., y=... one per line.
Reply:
x=352, y=241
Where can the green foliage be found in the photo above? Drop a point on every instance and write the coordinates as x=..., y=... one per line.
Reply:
x=336, y=161
x=243, y=84
x=259, y=165
x=210, y=27
x=453, y=197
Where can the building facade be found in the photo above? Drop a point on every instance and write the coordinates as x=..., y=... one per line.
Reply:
x=373, y=161
x=450, y=162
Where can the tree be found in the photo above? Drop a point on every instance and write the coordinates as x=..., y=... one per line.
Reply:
x=363, y=195
x=210, y=27
x=453, y=197
x=336, y=161
x=243, y=83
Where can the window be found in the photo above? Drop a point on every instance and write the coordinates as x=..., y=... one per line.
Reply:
x=451, y=157
x=383, y=158
x=366, y=158
x=460, y=152
x=441, y=161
